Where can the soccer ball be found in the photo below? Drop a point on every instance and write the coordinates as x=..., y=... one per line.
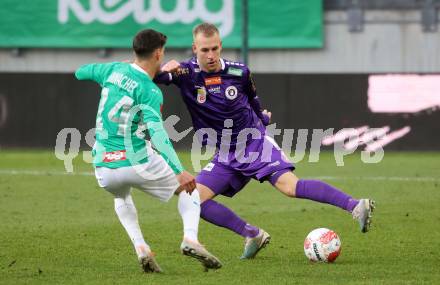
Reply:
x=322, y=245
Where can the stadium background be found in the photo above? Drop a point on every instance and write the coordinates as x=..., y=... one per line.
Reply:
x=319, y=82
x=315, y=64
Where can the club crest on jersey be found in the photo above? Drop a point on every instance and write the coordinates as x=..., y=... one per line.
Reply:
x=231, y=92
x=201, y=95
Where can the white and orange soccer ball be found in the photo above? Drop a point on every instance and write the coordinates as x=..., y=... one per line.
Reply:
x=322, y=245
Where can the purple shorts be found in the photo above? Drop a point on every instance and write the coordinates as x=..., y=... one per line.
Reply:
x=227, y=173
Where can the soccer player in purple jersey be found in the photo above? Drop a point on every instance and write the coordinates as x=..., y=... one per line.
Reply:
x=221, y=96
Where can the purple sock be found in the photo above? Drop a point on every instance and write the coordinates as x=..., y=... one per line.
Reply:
x=321, y=192
x=219, y=215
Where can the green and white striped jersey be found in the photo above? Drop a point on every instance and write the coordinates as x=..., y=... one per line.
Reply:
x=130, y=103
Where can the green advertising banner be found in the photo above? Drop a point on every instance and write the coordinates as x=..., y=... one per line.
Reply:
x=112, y=23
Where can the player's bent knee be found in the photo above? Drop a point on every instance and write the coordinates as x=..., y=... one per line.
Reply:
x=286, y=184
x=205, y=192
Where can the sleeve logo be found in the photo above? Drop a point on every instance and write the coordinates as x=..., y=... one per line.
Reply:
x=235, y=71
x=201, y=95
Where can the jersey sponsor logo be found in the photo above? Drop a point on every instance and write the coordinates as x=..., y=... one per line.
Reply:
x=235, y=71
x=213, y=81
x=215, y=90
x=201, y=95
x=231, y=92
x=209, y=167
x=114, y=156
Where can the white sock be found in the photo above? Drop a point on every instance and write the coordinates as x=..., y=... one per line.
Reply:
x=127, y=214
x=189, y=209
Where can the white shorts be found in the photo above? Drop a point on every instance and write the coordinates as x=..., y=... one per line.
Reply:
x=155, y=178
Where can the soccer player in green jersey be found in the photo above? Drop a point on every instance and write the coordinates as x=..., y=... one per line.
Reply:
x=130, y=103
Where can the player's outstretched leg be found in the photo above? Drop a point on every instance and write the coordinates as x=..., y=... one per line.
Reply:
x=316, y=190
x=189, y=209
x=322, y=192
x=218, y=214
x=127, y=214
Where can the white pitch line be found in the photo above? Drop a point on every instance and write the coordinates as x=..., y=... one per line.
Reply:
x=378, y=178
x=368, y=178
x=47, y=172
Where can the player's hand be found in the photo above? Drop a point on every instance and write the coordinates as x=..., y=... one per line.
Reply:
x=170, y=66
x=187, y=181
x=267, y=115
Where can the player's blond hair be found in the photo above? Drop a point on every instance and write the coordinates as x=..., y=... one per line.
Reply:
x=207, y=29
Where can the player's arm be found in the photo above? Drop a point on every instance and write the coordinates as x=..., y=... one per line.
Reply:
x=170, y=73
x=163, y=77
x=93, y=71
x=162, y=143
x=159, y=137
x=254, y=101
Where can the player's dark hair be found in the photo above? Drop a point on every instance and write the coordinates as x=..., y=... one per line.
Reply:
x=147, y=41
x=207, y=29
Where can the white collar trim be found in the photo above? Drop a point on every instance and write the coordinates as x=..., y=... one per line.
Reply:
x=223, y=63
x=138, y=68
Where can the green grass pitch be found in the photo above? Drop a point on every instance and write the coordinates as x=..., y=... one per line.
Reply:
x=62, y=229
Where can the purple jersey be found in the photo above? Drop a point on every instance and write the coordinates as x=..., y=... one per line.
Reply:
x=214, y=99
